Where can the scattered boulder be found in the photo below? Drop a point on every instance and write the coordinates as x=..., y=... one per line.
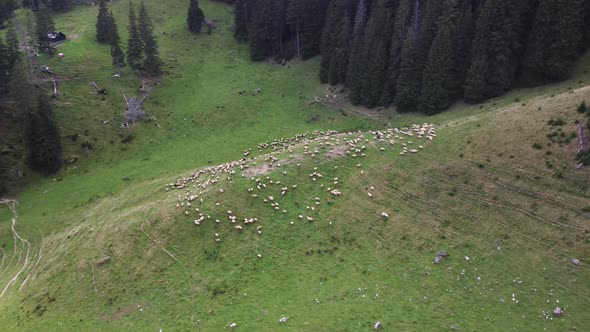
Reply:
x=232, y=325
x=103, y=260
x=71, y=159
x=283, y=319
x=576, y=261
x=440, y=256
x=558, y=311
x=378, y=326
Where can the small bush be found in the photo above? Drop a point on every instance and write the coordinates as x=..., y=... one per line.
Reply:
x=583, y=157
x=556, y=122
x=582, y=108
x=537, y=146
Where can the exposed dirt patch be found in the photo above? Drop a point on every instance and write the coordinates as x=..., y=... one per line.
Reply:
x=337, y=152
x=259, y=170
x=122, y=312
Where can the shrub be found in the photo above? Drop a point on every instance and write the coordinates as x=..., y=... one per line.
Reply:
x=537, y=146
x=556, y=122
x=583, y=157
x=582, y=108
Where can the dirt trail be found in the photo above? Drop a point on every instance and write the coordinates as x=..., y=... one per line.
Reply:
x=12, y=205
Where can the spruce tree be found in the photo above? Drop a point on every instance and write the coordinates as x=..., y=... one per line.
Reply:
x=9, y=55
x=114, y=41
x=150, y=47
x=339, y=60
x=4, y=70
x=336, y=34
x=45, y=150
x=376, y=51
x=44, y=25
x=441, y=78
x=435, y=95
x=356, y=74
x=415, y=52
x=497, y=48
x=305, y=19
x=259, y=34
x=134, y=42
x=195, y=17
x=60, y=5
x=243, y=12
x=103, y=21
x=555, y=40
x=6, y=10
x=400, y=23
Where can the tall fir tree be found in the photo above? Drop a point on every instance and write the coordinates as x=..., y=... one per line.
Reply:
x=103, y=21
x=134, y=42
x=195, y=17
x=418, y=43
x=338, y=65
x=9, y=55
x=305, y=19
x=356, y=74
x=376, y=48
x=114, y=41
x=60, y=5
x=440, y=77
x=266, y=29
x=555, y=40
x=335, y=35
x=7, y=8
x=44, y=25
x=497, y=49
x=45, y=149
x=435, y=95
x=151, y=63
x=243, y=13
x=401, y=26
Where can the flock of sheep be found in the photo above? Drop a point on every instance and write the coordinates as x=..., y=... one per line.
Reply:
x=288, y=151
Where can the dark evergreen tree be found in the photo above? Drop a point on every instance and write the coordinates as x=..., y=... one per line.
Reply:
x=9, y=55
x=243, y=12
x=6, y=10
x=335, y=35
x=45, y=150
x=376, y=51
x=339, y=58
x=305, y=19
x=555, y=40
x=195, y=17
x=103, y=22
x=401, y=26
x=497, y=48
x=114, y=41
x=60, y=5
x=150, y=47
x=435, y=95
x=415, y=52
x=586, y=21
x=356, y=73
x=443, y=74
x=266, y=30
x=44, y=25
x=134, y=42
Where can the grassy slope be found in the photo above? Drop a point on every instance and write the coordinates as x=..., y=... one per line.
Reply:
x=437, y=200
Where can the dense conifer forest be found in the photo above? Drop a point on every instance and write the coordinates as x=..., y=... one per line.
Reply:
x=421, y=54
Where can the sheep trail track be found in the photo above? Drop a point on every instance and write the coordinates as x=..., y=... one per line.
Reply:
x=12, y=205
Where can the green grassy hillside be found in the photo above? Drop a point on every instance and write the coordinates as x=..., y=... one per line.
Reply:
x=510, y=215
